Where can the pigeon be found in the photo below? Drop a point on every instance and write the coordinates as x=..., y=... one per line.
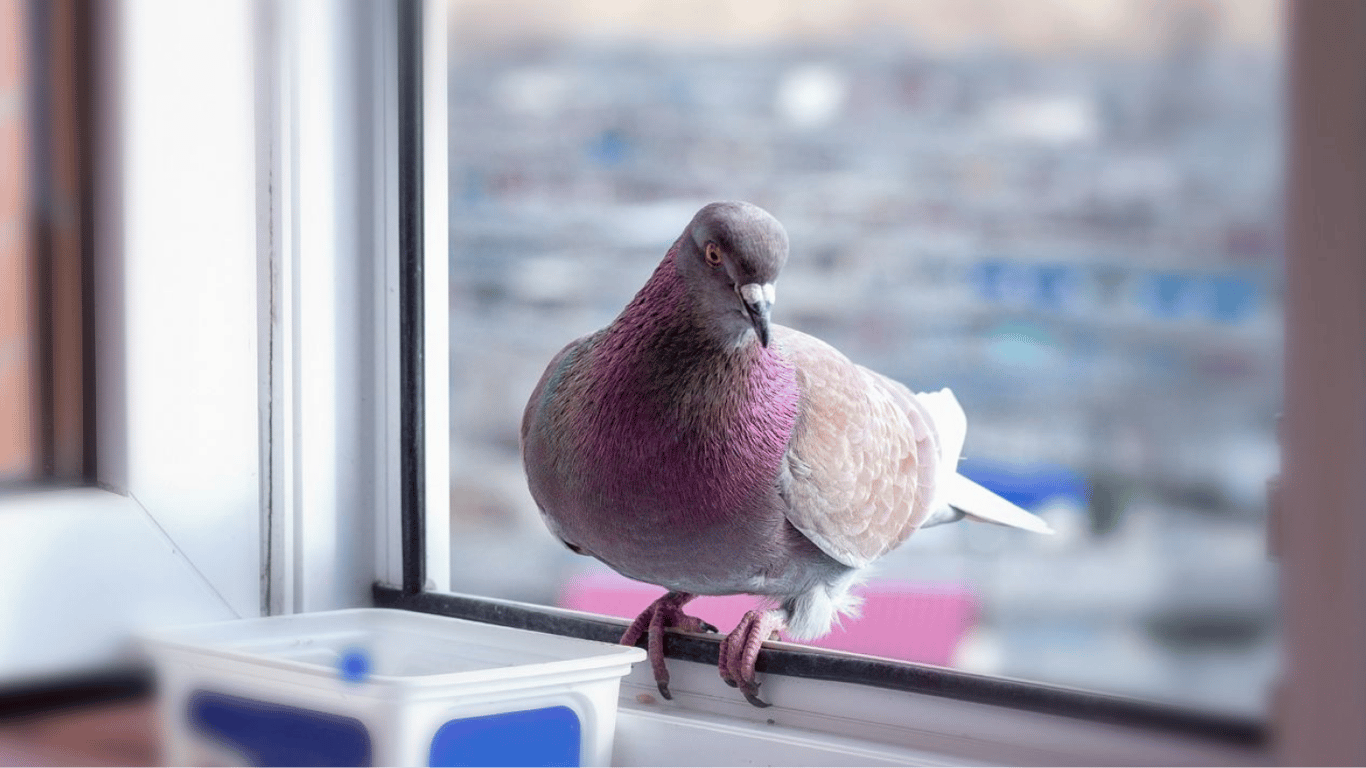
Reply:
x=696, y=445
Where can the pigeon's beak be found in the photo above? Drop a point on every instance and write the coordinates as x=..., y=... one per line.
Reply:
x=758, y=301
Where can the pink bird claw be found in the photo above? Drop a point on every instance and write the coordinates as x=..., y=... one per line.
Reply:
x=663, y=614
x=740, y=651
x=655, y=650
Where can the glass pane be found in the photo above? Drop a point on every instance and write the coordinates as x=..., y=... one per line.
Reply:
x=1069, y=213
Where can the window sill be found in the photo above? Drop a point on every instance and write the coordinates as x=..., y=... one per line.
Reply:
x=88, y=567
x=836, y=708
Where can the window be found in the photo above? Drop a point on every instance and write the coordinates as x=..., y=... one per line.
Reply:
x=1070, y=215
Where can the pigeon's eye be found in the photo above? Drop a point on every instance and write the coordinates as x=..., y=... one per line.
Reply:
x=713, y=253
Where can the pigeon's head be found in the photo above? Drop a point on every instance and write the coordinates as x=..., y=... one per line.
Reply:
x=731, y=255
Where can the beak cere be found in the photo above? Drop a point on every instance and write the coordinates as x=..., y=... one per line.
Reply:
x=758, y=301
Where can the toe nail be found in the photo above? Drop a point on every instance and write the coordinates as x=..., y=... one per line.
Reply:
x=755, y=700
x=664, y=691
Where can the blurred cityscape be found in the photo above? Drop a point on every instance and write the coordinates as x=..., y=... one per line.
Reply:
x=1083, y=242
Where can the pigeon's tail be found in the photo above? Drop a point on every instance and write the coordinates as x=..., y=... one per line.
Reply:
x=966, y=498
x=958, y=496
x=950, y=424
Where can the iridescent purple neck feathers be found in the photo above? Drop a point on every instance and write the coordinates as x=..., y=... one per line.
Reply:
x=690, y=423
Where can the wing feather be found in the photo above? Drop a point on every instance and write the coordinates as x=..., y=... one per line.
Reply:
x=864, y=456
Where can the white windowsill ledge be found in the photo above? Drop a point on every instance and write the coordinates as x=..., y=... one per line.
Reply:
x=84, y=569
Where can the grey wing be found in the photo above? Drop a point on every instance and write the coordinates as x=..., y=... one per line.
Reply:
x=539, y=423
x=554, y=372
x=864, y=457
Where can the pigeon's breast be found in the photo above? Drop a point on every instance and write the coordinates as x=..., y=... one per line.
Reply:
x=673, y=463
x=702, y=442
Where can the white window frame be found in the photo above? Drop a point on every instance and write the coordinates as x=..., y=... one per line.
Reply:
x=170, y=533
x=244, y=336
x=327, y=118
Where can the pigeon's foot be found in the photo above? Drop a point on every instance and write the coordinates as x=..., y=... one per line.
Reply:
x=664, y=613
x=740, y=650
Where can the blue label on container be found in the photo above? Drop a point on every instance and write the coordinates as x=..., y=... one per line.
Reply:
x=549, y=736
x=273, y=734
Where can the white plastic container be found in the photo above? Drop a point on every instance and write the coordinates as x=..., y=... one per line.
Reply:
x=384, y=687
